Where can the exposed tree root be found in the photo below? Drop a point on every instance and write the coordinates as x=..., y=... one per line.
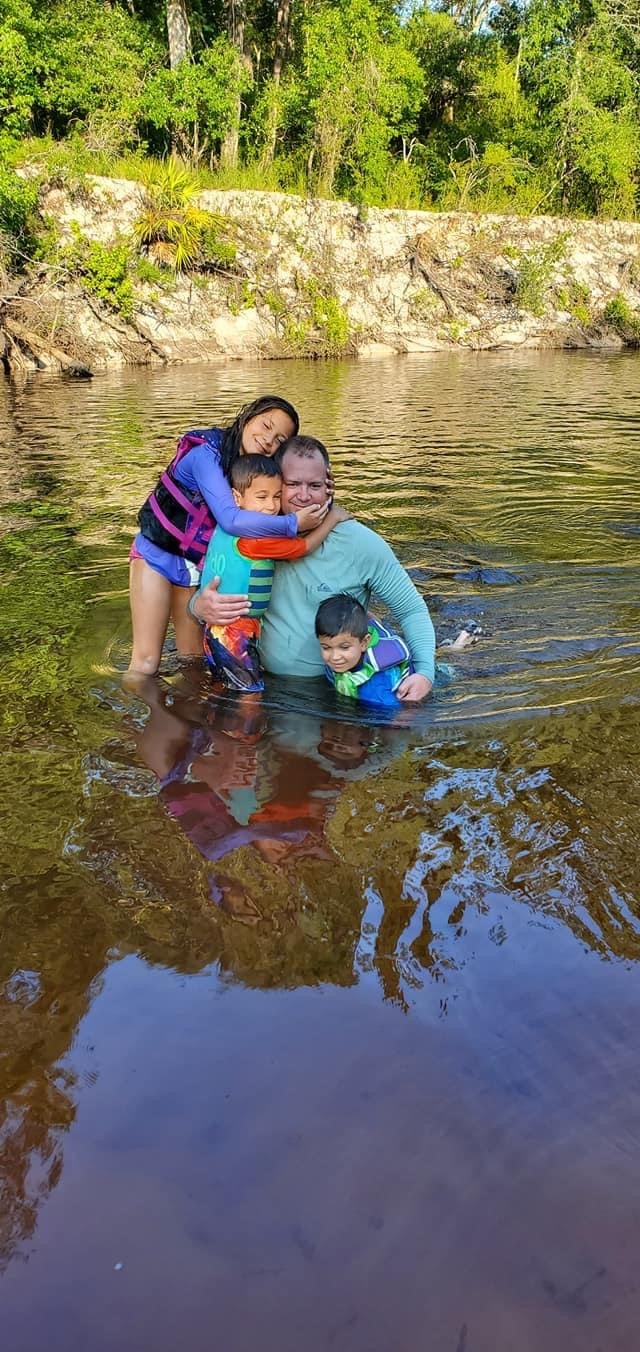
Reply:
x=43, y=352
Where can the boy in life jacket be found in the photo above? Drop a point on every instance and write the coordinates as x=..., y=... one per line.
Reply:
x=362, y=658
x=246, y=567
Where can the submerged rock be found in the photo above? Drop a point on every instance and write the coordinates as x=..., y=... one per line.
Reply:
x=488, y=577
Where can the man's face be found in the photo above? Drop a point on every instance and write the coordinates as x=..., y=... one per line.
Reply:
x=304, y=481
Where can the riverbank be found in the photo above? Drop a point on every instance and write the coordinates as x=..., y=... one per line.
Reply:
x=314, y=278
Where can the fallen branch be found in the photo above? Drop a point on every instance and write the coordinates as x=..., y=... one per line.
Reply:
x=41, y=348
x=418, y=263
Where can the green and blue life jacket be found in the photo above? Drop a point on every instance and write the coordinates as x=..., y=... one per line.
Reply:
x=381, y=669
x=238, y=575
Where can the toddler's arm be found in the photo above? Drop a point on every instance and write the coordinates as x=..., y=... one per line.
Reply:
x=201, y=469
x=293, y=549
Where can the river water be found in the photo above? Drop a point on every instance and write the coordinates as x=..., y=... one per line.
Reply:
x=315, y=1031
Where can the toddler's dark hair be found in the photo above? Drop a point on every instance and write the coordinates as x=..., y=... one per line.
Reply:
x=307, y=446
x=341, y=614
x=249, y=467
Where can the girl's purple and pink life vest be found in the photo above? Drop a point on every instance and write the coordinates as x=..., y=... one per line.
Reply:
x=174, y=517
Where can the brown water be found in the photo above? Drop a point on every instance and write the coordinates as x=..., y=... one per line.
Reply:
x=318, y=1033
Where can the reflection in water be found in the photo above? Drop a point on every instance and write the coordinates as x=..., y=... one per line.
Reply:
x=290, y=1001
x=254, y=789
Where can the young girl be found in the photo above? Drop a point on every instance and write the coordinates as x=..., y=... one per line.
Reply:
x=177, y=519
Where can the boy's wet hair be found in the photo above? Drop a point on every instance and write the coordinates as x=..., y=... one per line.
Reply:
x=341, y=614
x=306, y=446
x=249, y=467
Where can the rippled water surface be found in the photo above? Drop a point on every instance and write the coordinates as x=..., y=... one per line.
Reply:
x=318, y=1032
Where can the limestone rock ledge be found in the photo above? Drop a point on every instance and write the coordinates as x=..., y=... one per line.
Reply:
x=398, y=282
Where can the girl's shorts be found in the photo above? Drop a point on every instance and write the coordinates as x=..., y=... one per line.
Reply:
x=178, y=571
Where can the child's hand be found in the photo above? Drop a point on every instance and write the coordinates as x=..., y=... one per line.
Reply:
x=310, y=517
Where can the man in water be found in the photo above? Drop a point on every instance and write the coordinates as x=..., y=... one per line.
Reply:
x=352, y=558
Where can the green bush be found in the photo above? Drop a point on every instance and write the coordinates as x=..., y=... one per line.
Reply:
x=106, y=275
x=104, y=270
x=321, y=327
x=216, y=253
x=146, y=271
x=619, y=315
x=296, y=336
x=275, y=302
x=574, y=298
x=18, y=204
x=535, y=272
x=329, y=317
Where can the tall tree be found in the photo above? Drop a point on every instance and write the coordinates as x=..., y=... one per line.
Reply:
x=236, y=14
x=283, y=22
x=178, y=33
x=272, y=99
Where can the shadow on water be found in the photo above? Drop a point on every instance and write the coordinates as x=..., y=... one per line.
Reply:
x=316, y=1027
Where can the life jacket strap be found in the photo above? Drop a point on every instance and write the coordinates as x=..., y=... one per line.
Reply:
x=173, y=487
x=198, y=519
x=164, y=520
x=197, y=515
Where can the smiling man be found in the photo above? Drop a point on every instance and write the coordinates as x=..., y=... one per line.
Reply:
x=352, y=559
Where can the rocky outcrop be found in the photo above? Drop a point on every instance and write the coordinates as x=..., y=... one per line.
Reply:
x=328, y=278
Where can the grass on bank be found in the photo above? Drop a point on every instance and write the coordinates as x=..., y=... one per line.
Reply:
x=494, y=181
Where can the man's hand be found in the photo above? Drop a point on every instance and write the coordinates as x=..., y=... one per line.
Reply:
x=414, y=688
x=210, y=607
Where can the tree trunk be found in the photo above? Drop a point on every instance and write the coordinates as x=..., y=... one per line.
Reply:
x=283, y=19
x=21, y=338
x=236, y=16
x=178, y=33
x=281, y=44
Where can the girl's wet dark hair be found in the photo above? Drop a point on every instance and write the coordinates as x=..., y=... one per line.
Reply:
x=232, y=439
x=341, y=614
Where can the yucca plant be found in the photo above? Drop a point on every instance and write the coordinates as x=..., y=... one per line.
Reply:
x=171, y=229
x=172, y=237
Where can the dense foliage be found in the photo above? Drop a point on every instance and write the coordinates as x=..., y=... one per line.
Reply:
x=531, y=105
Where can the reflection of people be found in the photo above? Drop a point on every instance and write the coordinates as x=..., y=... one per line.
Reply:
x=262, y=789
x=352, y=558
x=362, y=658
x=243, y=780
x=247, y=565
x=177, y=519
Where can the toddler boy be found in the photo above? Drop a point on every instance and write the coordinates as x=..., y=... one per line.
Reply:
x=362, y=658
